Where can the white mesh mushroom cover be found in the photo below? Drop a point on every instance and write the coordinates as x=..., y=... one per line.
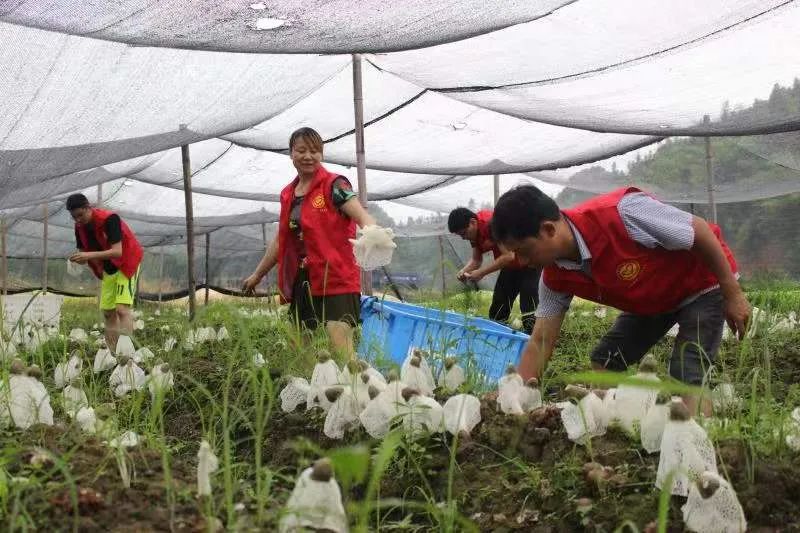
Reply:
x=461, y=412
x=294, y=393
x=342, y=415
x=584, y=420
x=314, y=505
x=720, y=512
x=686, y=452
x=653, y=425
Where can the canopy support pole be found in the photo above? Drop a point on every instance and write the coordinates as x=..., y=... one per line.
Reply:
x=4, y=271
x=46, y=213
x=208, y=250
x=441, y=260
x=187, y=193
x=712, y=205
x=361, y=164
x=496, y=188
x=160, y=273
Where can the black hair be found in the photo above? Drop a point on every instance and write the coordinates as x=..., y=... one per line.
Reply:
x=520, y=212
x=76, y=200
x=459, y=219
x=309, y=135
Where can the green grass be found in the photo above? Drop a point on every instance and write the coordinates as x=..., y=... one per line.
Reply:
x=393, y=485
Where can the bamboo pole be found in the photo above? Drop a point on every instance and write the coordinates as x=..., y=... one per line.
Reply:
x=208, y=250
x=46, y=213
x=187, y=194
x=441, y=260
x=4, y=271
x=160, y=274
x=496, y=188
x=712, y=205
x=361, y=164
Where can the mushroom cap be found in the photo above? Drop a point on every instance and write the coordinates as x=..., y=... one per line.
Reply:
x=393, y=376
x=35, y=372
x=373, y=392
x=415, y=361
x=678, y=411
x=648, y=364
x=409, y=393
x=449, y=362
x=532, y=383
x=364, y=378
x=333, y=393
x=322, y=470
x=17, y=367
x=707, y=484
x=362, y=365
x=123, y=359
x=323, y=356
x=511, y=369
x=164, y=367
x=576, y=391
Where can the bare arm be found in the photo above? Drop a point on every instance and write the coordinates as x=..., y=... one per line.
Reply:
x=474, y=262
x=709, y=250
x=356, y=212
x=115, y=252
x=266, y=264
x=498, y=264
x=540, y=346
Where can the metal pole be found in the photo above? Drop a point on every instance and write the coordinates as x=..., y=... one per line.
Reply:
x=208, y=248
x=99, y=286
x=712, y=205
x=46, y=213
x=496, y=188
x=361, y=164
x=5, y=259
x=160, y=274
x=99, y=195
x=441, y=258
x=264, y=233
x=187, y=193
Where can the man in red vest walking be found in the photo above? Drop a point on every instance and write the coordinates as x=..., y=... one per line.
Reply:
x=657, y=264
x=111, y=250
x=514, y=278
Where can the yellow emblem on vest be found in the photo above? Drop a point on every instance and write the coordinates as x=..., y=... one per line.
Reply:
x=629, y=270
x=318, y=202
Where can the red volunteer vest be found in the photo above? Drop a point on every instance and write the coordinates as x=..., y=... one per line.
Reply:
x=485, y=242
x=132, y=252
x=625, y=274
x=331, y=265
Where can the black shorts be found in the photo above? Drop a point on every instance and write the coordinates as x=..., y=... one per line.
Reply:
x=700, y=324
x=311, y=311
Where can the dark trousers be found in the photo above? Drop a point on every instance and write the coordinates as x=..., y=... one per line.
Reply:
x=510, y=283
x=700, y=326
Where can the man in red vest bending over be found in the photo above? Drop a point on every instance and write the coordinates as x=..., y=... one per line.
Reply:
x=111, y=250
x=657, y=264
x=514, y=278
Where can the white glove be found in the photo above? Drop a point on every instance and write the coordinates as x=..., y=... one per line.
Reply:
x=374, y=247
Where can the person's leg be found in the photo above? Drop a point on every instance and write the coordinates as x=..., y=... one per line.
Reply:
x=340, y=313
x=301, y=311
x=341, y=337
x=108, y=305
x=123, y=302
x=700, y=326
x=529, y=297
x=629, y=339
x=505, y=292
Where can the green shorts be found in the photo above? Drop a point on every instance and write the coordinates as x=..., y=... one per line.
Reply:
x=117, y=289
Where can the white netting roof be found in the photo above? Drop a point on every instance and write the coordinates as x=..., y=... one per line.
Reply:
x=557, y=93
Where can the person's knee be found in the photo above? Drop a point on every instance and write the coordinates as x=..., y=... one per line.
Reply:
x=690, y=364
x=123, y=311
x=110, y=314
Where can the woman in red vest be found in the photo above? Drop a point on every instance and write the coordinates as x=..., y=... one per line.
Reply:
x=112, y=252
x=659, y=265
x=317, y=271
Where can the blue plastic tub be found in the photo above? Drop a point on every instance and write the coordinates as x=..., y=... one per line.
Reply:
x=390, y=330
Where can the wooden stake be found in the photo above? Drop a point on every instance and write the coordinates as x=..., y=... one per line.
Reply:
x=712, y=205
x=361, y=163
x=187, y=193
